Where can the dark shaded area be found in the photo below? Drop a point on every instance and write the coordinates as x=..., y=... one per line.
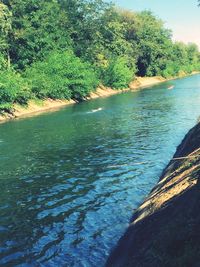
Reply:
x=189, y=145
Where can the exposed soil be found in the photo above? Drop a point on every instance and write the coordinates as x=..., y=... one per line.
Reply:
x=37, y=107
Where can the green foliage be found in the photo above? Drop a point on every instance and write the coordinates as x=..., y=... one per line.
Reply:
x=154, y=44
x=5, y=30
x=183, y=60
x=86, y=21
x=105, y=42
x=61, y=76
x=6, y=107
x=3, y=62
x=118, y=75
x=171, y=69
x=37, y=28
x=13, y=89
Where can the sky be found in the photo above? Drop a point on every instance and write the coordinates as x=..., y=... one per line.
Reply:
x=181, y=16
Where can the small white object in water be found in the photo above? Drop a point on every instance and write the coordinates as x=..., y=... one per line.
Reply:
x=95, y=110
x=170, y=87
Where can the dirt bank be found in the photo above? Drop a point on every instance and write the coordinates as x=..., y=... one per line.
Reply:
x=37, y=107
x=164, y=231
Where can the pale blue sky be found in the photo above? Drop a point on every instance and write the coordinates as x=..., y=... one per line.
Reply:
x=182, y=16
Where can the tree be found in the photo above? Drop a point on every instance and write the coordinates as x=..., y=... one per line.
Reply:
x=60, y=45
x=61, y=75
x=118, y=75
x=37, y=28
x=5, y=29
x=154, y=43
x=85, y=19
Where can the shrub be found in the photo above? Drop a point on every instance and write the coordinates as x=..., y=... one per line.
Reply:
x=118, y=75
x=61, y=76
x=3, y=63
x=13, y=89
x=6, y=107
x=172, y=69
x=187, y=68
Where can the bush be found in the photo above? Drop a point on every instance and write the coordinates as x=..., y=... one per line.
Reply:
x=3, y=63
x=61, y=76
x=187, y=69
x=172, y=69
x=13, y=89
x=118, y=75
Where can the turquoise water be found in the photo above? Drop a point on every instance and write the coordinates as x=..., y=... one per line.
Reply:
x=71, y=179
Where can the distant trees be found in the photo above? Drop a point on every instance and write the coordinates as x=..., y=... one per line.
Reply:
x=154, y=43
x=65, y=48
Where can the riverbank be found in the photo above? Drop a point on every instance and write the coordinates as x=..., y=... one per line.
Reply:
x=164, y=231
x=36, y=107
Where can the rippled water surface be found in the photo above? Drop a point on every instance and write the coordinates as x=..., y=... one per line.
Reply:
x=71, y=179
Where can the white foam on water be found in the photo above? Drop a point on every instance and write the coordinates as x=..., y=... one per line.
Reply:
x=95, y=110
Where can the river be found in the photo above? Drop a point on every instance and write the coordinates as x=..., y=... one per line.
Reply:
x=70, y=180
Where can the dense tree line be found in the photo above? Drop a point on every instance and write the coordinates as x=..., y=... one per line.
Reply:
x=65, y=48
